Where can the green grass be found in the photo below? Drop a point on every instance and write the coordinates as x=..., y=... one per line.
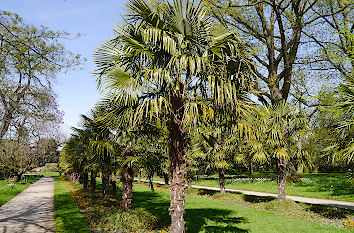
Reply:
x=7, y=194
x=205, y=215
x=53, y=174
x=333, y=186
x=67, y=215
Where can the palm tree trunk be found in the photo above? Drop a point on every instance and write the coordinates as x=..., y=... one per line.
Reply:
x=114, y=186
x=151, y=182
x=85, y=180
x=127, y=181
x=139, y=175
x=222, y=180
x=105, y=182
x=93, y=181
x=189, y=179
x=165, y=177
x=177, y=154
x=281, y=179
x=250, y=169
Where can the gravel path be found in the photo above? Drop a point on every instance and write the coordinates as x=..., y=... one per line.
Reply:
x=326, y=202
x=31, y=211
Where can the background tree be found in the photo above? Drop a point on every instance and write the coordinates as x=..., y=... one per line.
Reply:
x=30, y=59
x=281, y=35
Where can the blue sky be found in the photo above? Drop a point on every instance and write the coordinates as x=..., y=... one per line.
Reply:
x=77, y=92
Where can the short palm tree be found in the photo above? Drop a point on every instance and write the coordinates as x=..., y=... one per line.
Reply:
x=277, y=125
x=158, y=65
x=344, y=150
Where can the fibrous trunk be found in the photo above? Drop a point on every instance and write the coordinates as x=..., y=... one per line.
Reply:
x=250, y=169
x=85, y=180
x=93, y=181
x=177, y=144
x=106, y=174
x=139, y=175
x=114, y=186
x=281, y=179
x=165, y=177
x=151, y=182
x=222, y=180
x=127, y=181
x=189, y=179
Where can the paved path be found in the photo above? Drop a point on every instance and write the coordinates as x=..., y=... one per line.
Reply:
x=31, y=211
x=326, y=202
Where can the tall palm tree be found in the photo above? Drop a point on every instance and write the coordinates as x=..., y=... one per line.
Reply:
x=158, y=64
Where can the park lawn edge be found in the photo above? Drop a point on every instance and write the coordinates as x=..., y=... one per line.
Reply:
x=67, y=216
x=290, y=191
x=257, y=220
x=6, y=197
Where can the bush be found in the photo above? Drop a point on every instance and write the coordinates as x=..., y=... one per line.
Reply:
x=130, y=221
x=282, y=206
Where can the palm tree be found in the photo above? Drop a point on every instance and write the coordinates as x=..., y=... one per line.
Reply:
x=214, y=147
x=158, y=64
x=343, y=151
x=277, y=124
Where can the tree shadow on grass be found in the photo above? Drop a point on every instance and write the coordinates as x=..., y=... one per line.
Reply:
x=154, y=203
x=337, y=185
x=196, y=219
x=256, y=199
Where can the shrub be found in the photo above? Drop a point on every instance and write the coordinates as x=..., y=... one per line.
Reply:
x=282, y=206
x=126, y=221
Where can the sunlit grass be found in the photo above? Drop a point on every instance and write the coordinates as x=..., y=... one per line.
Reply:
x=68, y=218
x=333, y=186
x=8, y=191
x=204, y=214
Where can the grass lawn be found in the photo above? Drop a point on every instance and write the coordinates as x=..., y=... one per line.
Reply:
x=205, y=215
x=202, y=214
x=53, y=174
x=67, y=215
x=333, y=186
x=7, y=193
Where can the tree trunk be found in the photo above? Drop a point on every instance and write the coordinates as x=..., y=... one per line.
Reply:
x=139, y=175
x=106, y=174
x=93, y=181
x=85, y=180
x=165, y=177
x=114, y=186
x=151, y=182
x=4, y=127
x=127, y=181
x=189, y=179
x=222, y=180
x=19, y=176
x=177, y=154
x=250, y=169
x=281, y=167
